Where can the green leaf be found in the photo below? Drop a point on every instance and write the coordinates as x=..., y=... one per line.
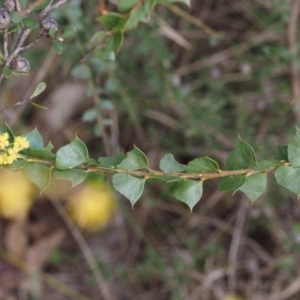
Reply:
x=35, y=139
x=254, y=186
x=126, y=5
x=129, y=186
x=96, y=39
x=294, y=150
x=242, y=157
x=115, y=41
x=268, y=164
x=72, y=155
x=82, y=72
x=38, y=174
x=289, y=178
x=135, y=160
x=57, y=45
x=94, y=177
x=168, y=164
x=43, y=153
x=30, y=23
x=75, y=176
x=68, y=33
x=187, y=191
x=7, y=72
x=187, y=2
x=136, y=16
x=282, y=153
x=202, y=164
x=231, y=184
x=52, y=32
x=39, y=89
x=17, y=17
x=110, y=20
x=110, y=162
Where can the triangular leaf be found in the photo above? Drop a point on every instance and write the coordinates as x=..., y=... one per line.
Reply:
x=202, y=164
x=68, y=32
x=254, y=186
x=75, y=176
x=71, y=155
x=231, y=184
x=111, y=161
x=242, y=157
x=268, y=164
x=129, y=186
x=289, y=177
x=43, y=153
x=135, y=160
x=168, y=164
x=38, y=174
x=35, y=139
x=187, y=191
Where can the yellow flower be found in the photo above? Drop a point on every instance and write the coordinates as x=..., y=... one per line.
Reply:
x=11, y=158
x=3, y=159
x=4, y=140
x=21, y=143
x=91, y=207
x=15, y=202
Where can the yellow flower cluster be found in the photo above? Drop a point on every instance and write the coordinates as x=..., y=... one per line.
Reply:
x=9, y=152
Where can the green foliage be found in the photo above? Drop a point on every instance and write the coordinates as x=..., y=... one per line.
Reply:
x=131, y=170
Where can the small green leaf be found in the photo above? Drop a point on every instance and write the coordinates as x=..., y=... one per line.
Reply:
x=68, y=33
x=39, y=89
x=129, y=186
x=136, y=16
x=43, y=153
x=115, y=41
x=135, y=160
x=109, y=162
x=126, y=5
x=294, y=150
x=35, y=139
x=187, y=2
x=82, y=72
x=7, y=72
x=168, y=164
x=96, y=177
x=110, y=20
x=242, y=156
x=231, y=184
x=72, y=155
x=38, y=174
x=268, y=164
x=52, y=32
x=17, y=17
x=75, y=176
x=57, y=45
x=30, y=23
x=282, y=153
x=288, y=177
x=202, y=164
x=187, y=191
x=254, y=186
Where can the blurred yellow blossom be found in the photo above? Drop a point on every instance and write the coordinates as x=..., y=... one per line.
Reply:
x=233, y=297
x=15, y=202
x=91, y=207
x=21, y=143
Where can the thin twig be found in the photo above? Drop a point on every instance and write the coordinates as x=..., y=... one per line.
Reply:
x=84, y=247
x=5, y=43
x=35, y=42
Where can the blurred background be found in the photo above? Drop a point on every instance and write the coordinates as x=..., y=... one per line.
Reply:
x=187, y=82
